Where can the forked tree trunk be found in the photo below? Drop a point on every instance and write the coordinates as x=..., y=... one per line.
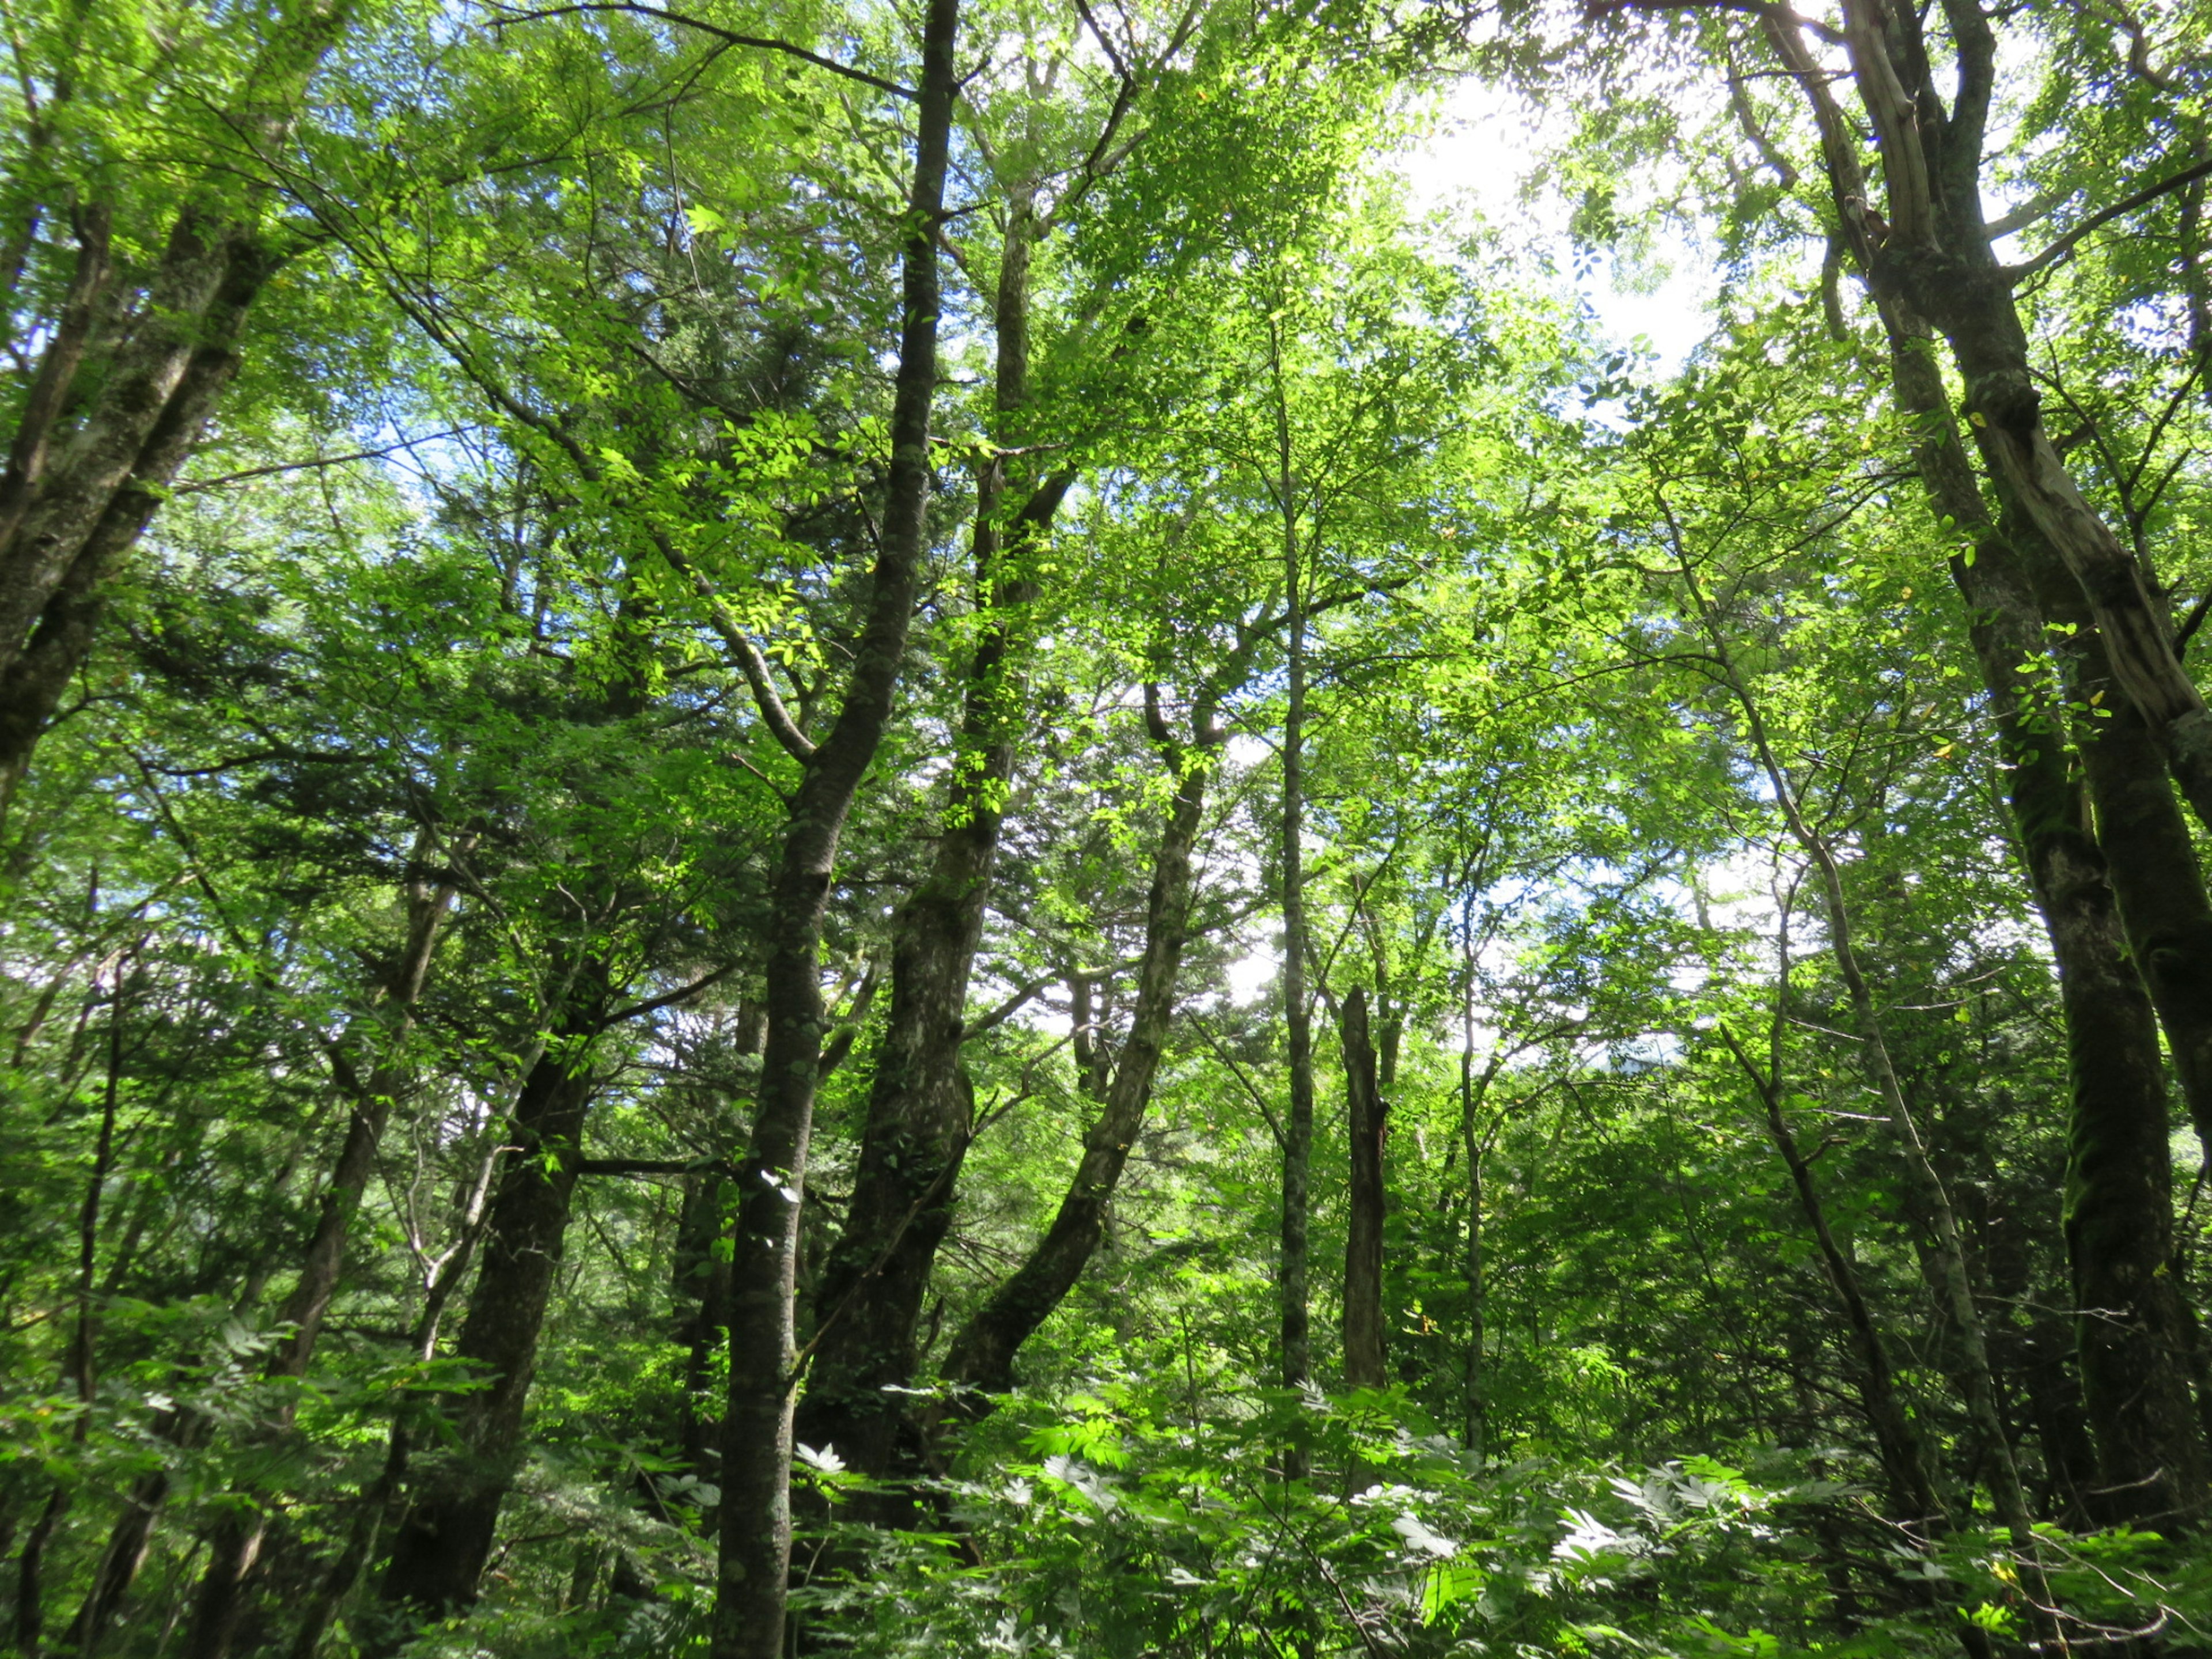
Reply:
x=2118, y=1204
x=870, y=1299
x=756, y=1433
x=1363, y=1338
x=1935, y=261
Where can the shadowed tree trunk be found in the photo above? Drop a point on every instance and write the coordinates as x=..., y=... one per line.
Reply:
x=440, y=1549
x=2150, y=858
x=755, y=1561
x=1944, y=1253
x=981, y=1360
x=1363, y=1355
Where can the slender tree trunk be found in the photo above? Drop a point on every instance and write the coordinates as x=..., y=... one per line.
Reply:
x=701, y=1292
x=1364, y=1364
x=78, y=1366
x=1906, y=1461
x=981, y=1360
x=2040, y=1342
x=1294, y=1267
x=235, y=1545
x=1472, y=1090
x=380, y=1502
x=1945, y=1255
x=755, y=1532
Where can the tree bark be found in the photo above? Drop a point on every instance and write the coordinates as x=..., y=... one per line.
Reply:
x=440, y=1547
x=755, y=1533
x=87, y=469
x=920, y=1107
x=1294, y=1265
x=2150, y=856
x=1935, y=261
x=2118, y=1198
x=1364, y=1339
x=980, y=1361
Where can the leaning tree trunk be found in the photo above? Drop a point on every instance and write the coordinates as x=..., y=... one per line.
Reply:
x=237, y=1540
x=235, y=1545
x=103, y=432
x=869, y=1302
x=980, y=1361
x=756, y=1433
x=1905, y=1455
x=1944, y=1255
x=1363, y=1355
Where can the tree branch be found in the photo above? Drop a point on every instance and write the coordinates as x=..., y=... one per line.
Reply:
x=759, y=42
x=2066, y=244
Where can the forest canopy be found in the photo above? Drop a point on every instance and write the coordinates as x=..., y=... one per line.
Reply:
x=1127, y=828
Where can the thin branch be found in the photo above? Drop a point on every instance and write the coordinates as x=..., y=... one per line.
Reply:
x=761, y=43
x=677, y=995
x=1238, y=1072
x=2066, y=244
x=654, y=1166
x=198, y=484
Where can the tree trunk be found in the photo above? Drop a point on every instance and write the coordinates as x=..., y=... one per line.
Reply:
x=85, y=473
x=2150, y=857
x=2118, y=1200
x=1363, y=1356
x=1905, y=1461
x=755, y=1532
x=920, y=1106
x=380, y=1502
x=235, y=1544
x=982, y=1358
x=1932, y=258
x=439, y=1552
x=701, y=1292
x=1944, y=1253
x=1294, y=1266
x=2118, y=1218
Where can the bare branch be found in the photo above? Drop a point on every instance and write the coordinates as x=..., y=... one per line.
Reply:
x=761, y=43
